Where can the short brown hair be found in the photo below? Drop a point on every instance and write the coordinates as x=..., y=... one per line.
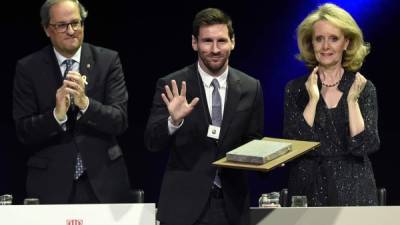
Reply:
x=211, y=16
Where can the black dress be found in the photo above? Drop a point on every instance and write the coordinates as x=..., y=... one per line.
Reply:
x=339, y=172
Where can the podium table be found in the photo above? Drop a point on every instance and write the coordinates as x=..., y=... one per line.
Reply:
x=363, y=215
x=79, y=214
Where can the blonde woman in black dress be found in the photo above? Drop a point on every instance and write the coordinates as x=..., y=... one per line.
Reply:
x=336, y=106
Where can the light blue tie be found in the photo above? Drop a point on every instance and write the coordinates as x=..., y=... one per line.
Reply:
x=68, y=66
x=216, y=118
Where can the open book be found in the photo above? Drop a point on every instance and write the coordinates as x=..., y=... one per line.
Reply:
x=258, y=151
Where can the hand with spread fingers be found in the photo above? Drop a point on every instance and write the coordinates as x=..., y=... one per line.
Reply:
x=76, y=87
x=356, y=88
x=312, y=85
x=177, y=103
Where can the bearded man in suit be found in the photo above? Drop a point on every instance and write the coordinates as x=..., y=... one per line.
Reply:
x=216, y=109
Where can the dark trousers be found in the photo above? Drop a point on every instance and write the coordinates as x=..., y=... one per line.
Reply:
x=214, y=213
x=82, y=192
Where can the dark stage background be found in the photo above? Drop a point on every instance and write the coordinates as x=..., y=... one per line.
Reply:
x=154, y=39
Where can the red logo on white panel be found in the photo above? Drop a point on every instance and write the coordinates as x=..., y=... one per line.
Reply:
x=74, y=222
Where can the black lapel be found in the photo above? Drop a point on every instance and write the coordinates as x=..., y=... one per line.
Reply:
x=195, y=88
x=49, y=57
x=232, y=100
x=86, y=64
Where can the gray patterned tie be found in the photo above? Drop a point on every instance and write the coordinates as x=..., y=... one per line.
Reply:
x=216, y=112
x=79, y=168
x=216, y=118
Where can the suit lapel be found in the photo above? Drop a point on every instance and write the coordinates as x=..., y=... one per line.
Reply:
x=231, y=103
x=195, y=88
x=53, y=68
x=86, y=65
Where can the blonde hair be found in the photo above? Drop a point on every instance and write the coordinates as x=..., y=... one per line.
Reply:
x=357, y=49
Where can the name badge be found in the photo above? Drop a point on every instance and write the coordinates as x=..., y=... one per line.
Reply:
x=213, y=132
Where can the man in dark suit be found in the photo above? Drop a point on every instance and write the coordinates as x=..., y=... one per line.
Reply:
x=217, y=109
x=69, y=103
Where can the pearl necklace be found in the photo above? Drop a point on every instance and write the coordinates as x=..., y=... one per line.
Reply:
x=331, y=85
x=334, y=84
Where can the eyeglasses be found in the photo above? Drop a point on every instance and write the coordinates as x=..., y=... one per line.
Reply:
x=63, y=27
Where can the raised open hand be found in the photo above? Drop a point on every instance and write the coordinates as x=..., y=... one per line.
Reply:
x=177, y=104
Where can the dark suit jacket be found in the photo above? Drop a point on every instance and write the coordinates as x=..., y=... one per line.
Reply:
x=53, y=151
x=189, y=174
